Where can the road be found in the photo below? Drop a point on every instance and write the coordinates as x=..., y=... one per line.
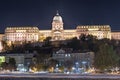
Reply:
x=55, y=75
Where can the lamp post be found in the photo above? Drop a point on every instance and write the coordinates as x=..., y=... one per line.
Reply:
x=77, y=67
x=84, y=65
x=28, y=65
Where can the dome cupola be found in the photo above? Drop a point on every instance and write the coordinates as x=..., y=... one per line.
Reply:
x=57, y=18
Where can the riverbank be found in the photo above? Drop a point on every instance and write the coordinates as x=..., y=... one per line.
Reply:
x=33, y=78
x=55, y=76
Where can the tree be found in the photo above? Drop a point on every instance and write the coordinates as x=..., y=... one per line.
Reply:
x=105, y=58
x=6, y=47
x=92, y=42
x=12, y=64
x=47, y=41
x=68, y=64
x=82, y=37
x=53, y=62
x=74, y=43
x=88, y=42
x=4, y=65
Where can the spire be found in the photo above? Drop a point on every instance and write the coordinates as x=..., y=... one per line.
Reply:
x=57, y=13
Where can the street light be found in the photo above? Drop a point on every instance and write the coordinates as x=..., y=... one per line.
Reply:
x=84, y=65
x=77, y=67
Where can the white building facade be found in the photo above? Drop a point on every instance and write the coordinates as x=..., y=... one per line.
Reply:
x=57, y=32
x=21, y=34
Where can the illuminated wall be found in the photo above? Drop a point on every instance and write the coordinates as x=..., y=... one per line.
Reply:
x=34, y=34
x=70, y=33
x=22, y=34
x=100, y=31
x=2, y=36
x=1, y=46
x=43, y=34
x=115, y=35
x=58, y=32
x=57, y=28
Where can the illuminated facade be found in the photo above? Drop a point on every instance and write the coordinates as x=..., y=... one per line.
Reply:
x=57, y=28
x=100, y=31
x=115, y=35
x=16, y=34
x=2, y=37
x=57, y=32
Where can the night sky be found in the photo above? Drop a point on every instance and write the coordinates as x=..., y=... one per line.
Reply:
x=74, y=12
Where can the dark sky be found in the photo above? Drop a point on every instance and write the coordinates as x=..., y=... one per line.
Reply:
x=74, y=12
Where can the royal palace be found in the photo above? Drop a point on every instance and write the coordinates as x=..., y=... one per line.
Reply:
x=57, y=32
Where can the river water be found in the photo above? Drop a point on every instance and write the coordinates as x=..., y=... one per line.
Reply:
x=22, y=78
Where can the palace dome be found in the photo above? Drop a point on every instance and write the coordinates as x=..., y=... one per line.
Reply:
x=57, y=18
